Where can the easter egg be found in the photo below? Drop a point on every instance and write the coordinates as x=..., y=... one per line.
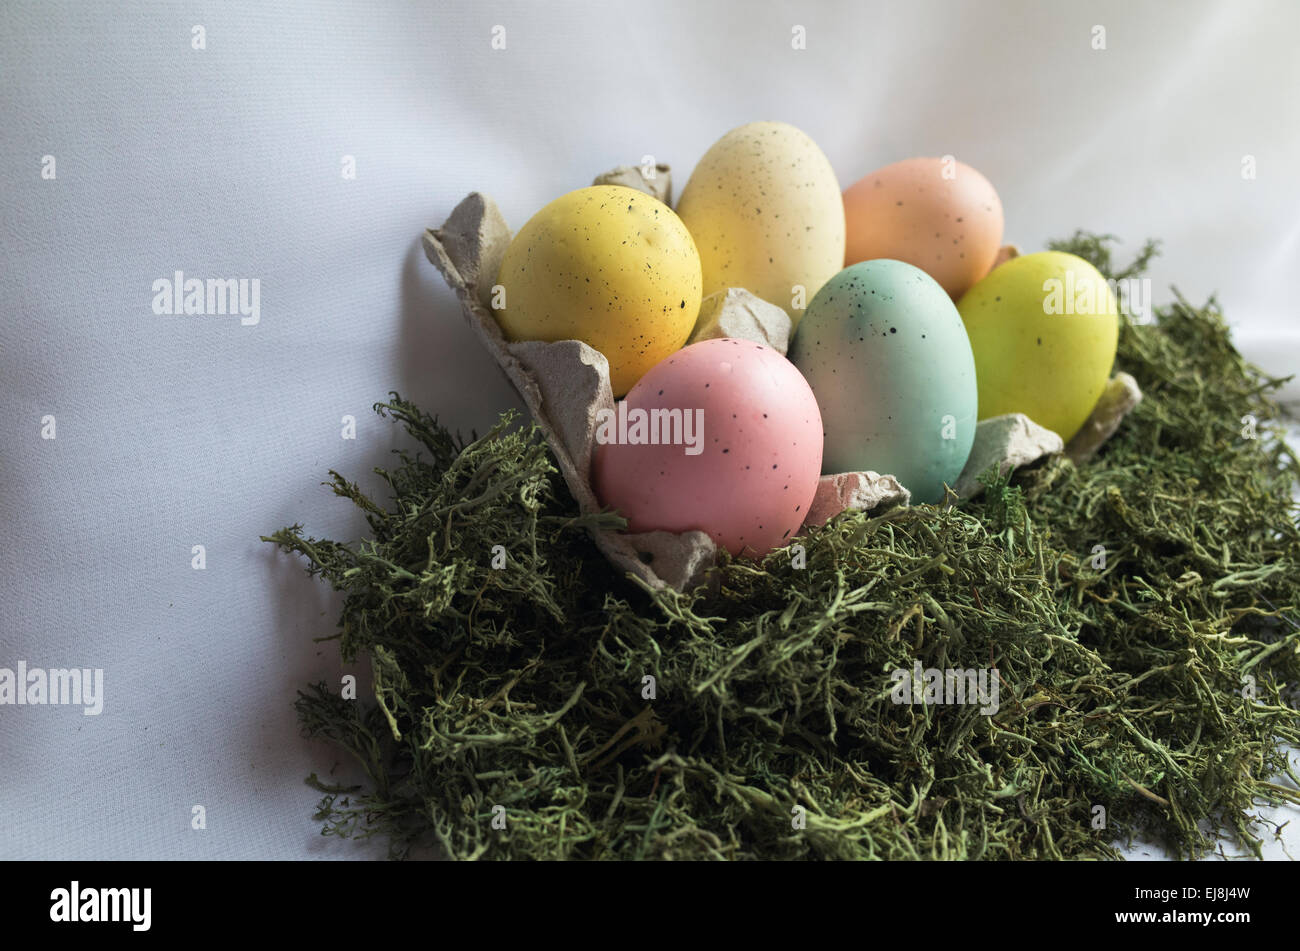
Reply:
x=1044, y=328
x=936, y=213
x=607, y=265
x=765, y=210
x=723, y=437
x=886, y=355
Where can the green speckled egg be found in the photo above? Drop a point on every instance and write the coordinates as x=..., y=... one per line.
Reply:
x=607, y=265
x=1044, y=328
x=887, y=357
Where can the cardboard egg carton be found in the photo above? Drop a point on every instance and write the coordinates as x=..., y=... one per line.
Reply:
x=565, y=386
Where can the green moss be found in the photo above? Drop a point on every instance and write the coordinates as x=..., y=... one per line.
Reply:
x=1158, y=686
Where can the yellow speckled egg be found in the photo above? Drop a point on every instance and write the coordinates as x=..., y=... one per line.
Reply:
x=1043, y=328
x=765, y=210
x=607, y=265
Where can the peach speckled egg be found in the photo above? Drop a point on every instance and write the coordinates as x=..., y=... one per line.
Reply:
x=724, y=437
x=937, y=214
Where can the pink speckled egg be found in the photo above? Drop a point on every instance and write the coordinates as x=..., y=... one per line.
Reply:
x=724, y=436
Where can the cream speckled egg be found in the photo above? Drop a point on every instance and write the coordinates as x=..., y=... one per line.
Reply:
x=766, y=213
x=607, y=265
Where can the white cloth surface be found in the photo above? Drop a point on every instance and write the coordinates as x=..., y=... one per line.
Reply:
x=175, y=431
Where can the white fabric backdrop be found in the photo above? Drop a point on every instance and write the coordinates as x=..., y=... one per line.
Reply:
x=226, y=162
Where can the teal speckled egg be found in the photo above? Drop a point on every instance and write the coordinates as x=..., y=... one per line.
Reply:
x=887, y=356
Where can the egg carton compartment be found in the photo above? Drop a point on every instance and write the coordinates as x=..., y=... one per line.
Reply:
x=565, y=386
